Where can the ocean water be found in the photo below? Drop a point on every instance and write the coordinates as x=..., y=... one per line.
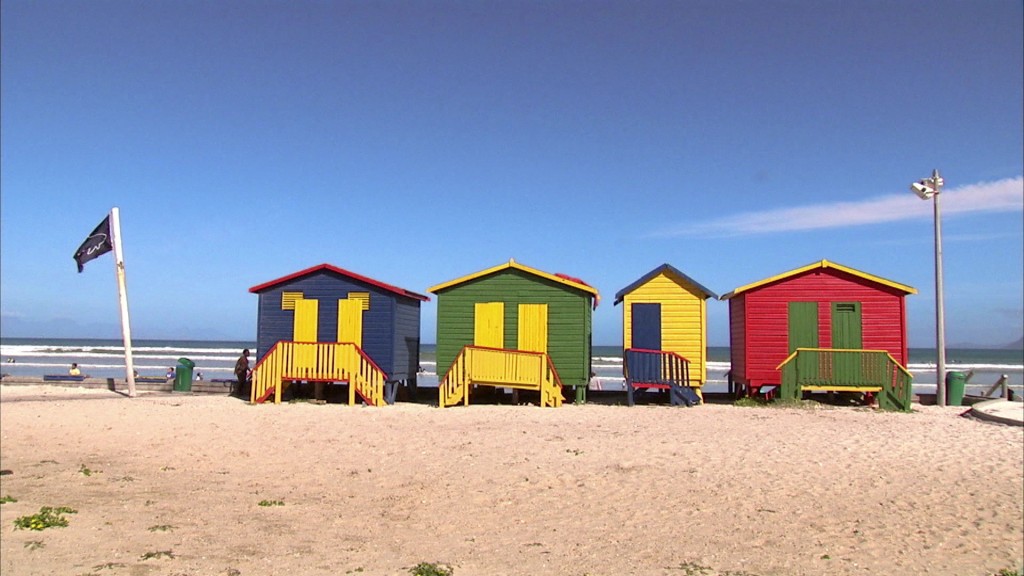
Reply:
x=105, y=358
x=216, y=359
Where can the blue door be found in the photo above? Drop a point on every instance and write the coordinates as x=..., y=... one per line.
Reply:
x=646, y=326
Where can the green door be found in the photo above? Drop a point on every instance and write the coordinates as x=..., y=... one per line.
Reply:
x=803, y=325
x=846, y=335
x=803, y=333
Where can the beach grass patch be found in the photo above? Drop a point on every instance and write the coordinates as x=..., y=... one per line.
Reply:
x=267, y=503
x=694, y=569
x=157, y=554
x=161, y=528
x=749, y=402
x=47, y=517
x=431, y=569
x=1008, y=572
x=793, y=403
x=7, y=499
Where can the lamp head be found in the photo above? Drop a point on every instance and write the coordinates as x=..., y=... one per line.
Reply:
x=923, y=189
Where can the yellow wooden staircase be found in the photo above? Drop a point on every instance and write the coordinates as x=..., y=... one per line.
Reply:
x=318, y=362
x=500, y=368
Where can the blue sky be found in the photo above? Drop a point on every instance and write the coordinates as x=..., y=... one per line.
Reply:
x=416, y=142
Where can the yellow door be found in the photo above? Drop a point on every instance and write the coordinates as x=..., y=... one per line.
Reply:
x=350, y=321
x=489, y=324
x=305, y=331
x=305, y=326
x=533, y=327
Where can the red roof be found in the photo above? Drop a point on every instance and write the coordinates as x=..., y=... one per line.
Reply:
x=394, y=289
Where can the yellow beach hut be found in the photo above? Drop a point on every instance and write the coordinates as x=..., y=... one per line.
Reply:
x=664, y=321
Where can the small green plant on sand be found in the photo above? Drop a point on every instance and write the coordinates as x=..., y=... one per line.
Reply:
x=7, y=499
x=161, y=528
x=157, y=554
x=85, y=471
x=271, y=503
x=431, y=569
x=1007, y=572
x=46, y=518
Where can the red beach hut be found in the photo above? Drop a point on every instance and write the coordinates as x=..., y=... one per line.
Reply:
x=821, y=306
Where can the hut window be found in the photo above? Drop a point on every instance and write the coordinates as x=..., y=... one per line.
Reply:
x=288, y=300
x=362, y=297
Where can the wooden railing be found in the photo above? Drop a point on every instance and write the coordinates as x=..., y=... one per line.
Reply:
x=318, y=362
x=842, y=370
x=500, y=368
x=1002, y=385
x=657, y=369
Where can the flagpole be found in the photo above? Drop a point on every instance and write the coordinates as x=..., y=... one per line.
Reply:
x=122, y=294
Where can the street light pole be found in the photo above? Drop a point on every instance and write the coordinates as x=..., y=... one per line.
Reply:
x=931, y=189
x=940, y=315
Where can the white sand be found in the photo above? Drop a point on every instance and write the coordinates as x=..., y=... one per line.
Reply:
x=503, y=490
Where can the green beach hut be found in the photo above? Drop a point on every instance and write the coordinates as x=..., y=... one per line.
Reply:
x=512, y=326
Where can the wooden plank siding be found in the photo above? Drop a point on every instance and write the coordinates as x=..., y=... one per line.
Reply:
x=738, y=339
x=406, y=343
x=569, y=319
x=683, y=319
x=763, y=316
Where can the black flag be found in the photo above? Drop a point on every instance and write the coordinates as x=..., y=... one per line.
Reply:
x=98, y=243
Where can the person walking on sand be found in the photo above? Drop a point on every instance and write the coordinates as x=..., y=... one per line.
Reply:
x=241, y=372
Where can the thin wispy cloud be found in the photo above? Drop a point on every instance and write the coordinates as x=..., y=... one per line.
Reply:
x=1000, y=196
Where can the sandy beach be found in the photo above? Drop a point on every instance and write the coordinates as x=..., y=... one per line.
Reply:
x=170, y=484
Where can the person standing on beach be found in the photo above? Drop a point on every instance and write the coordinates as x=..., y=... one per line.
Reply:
x=74, y=371
x=241, y=371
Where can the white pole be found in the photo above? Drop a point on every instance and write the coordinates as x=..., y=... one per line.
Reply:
x=122, y=293
x=940, y=320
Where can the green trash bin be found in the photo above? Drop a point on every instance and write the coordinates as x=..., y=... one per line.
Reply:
x=956, y=383
x=183, y=375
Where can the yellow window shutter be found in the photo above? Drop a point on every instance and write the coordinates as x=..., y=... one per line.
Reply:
x=288, y=300
x=362, y=297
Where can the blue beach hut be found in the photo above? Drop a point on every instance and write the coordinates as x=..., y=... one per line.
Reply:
x=326, y=324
